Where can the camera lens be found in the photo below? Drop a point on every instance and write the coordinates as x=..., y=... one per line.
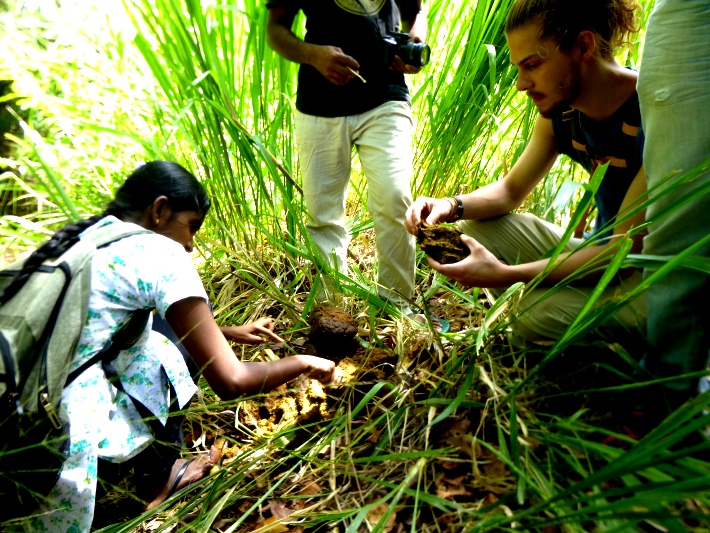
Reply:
x=415, y=54
x=424, y=55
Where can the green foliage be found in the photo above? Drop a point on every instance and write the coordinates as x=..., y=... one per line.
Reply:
x=195, y=82
x=464, y=104
x=85, y=111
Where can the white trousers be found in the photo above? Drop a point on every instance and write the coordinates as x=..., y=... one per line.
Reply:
x=383, y=139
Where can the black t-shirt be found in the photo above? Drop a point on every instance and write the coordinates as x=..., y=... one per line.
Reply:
x=345, y=24
x=617, y=140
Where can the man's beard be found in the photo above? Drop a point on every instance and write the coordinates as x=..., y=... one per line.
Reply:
x=568, y=98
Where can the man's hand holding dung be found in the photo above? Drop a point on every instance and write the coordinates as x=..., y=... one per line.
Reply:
x=428, y=210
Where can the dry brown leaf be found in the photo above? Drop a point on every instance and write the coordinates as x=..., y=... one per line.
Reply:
x=244, y=506
x=311, y=488
x=375, y=514
x=279, y=510
x=449, y=465
x=448, y=488
x=271, y=525
x=491, y=498
x=448, y=493
x=460, y=427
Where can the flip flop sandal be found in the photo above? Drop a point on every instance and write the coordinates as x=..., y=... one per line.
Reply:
x=178, y=477
x=445, y=326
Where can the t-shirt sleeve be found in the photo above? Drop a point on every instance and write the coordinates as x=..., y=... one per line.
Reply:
x=143, y=272
x=409, y=9
x=176, y=279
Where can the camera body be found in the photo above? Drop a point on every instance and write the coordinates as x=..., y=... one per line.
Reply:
x=398, y=44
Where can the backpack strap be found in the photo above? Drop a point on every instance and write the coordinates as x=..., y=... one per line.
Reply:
x=129, y=333
x=109, y=233
x=122, y=340
x=148, y=417
x=91, y=240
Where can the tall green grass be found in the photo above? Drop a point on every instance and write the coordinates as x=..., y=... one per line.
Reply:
x=198, y=84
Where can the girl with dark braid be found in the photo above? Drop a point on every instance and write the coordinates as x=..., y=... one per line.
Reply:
x=146, y=271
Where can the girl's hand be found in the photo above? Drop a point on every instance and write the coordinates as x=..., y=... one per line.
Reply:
x=318, y=368
x=256, y=332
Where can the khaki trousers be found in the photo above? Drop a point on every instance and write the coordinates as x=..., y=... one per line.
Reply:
x=383, y=139
x=544, y=315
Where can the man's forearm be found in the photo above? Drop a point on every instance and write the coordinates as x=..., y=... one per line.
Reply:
x=416, y=26
x=587, y=265
x=489, y=201
x=483, y=269
x=287, y=45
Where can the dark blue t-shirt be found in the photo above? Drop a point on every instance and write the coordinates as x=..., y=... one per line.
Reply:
x=619, y=140
x=356, y=27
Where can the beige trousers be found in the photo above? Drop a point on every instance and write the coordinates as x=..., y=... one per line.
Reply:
x=544, y=315
x=383, y=139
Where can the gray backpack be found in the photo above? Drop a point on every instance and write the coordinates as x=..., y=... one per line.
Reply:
x=40, y=326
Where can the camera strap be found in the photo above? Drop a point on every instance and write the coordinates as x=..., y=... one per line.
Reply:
x=373, y=21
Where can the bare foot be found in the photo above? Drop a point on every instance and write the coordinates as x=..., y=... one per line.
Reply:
x=183, y=473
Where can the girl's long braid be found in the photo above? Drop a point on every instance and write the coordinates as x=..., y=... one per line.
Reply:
x=60, y=242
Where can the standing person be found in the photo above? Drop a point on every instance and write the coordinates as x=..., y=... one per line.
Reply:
x=674, y=91
x=564, y=53
x=350, y=93
x=146, y=271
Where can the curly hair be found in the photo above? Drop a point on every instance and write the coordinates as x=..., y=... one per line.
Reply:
x=613, y=21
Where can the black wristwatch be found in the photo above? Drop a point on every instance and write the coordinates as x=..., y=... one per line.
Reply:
x=459, y=209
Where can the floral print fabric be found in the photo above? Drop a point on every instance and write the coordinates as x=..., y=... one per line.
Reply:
x=138, y=272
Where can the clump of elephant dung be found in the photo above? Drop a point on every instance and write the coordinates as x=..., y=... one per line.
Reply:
x=332, y=332
x=442, y=242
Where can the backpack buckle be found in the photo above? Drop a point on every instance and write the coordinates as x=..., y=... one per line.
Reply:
x=49, y=409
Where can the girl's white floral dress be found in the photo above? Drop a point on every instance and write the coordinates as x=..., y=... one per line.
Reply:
x=138, y=272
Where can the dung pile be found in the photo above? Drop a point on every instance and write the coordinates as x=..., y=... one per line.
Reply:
x=306, y=400
x=442, y=242
x=332, y=332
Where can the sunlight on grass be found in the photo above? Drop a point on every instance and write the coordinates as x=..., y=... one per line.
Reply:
x=458, y=432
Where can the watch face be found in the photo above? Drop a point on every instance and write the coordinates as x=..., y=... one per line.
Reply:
x=361, y=7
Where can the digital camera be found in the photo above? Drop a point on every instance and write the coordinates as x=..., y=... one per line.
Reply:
x=398, y=44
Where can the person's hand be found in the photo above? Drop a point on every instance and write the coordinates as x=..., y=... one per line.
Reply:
x=321, y=369
x=334, y=64
x=401, y=66
x=429, y=210
x=480, y=269
x=404, y=68
x=256, y=332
